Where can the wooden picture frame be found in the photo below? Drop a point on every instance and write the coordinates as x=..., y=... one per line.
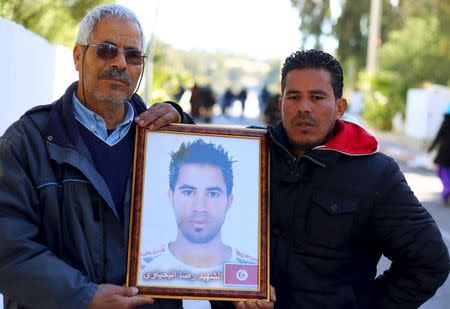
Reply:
x=195, y=231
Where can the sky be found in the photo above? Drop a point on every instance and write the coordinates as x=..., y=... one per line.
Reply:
x=258, y=29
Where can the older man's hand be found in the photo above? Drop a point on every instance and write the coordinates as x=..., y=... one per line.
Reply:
x=158, y=115
x=258, y=304
x=110, y=296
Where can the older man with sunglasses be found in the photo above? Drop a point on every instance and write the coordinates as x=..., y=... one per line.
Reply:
x=65, y=177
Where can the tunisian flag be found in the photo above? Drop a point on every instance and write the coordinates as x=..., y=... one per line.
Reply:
x=241, y=274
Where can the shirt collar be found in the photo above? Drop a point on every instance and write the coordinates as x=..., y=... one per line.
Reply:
x=95, y=123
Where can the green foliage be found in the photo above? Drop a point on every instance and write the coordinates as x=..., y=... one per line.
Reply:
x=350, y=28
x=351, y=32
x=168, y=78
x=313, y=15
x=382, y=99
x=55, y=20
x=273, y=77
x=417, y=51
x=173, y=69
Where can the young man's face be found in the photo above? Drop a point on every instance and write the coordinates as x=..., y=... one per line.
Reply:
x=200, y=201
x=309, y=108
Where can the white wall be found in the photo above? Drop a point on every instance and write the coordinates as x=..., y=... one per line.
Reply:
x=35, y=72
x=425, y=109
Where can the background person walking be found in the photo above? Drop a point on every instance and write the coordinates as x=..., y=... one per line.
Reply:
x=442, y=143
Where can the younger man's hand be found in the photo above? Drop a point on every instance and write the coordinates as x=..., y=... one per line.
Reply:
x=258, y=304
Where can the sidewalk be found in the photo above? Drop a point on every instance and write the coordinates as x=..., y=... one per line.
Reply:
x=403, y=140
x=413, y=152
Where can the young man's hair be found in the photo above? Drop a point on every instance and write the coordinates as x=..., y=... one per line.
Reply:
x=90, y=20
x=201, y=153
x=314, y=59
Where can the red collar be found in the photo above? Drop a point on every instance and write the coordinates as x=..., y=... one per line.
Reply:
x=351, y=139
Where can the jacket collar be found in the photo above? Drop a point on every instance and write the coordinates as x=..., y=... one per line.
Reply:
x=65, y=144
x=348, y=139
x=62, y=125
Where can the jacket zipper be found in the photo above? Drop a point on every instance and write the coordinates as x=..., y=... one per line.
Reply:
x=293, y=161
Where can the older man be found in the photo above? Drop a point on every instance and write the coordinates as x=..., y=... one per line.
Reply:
x=65, y=177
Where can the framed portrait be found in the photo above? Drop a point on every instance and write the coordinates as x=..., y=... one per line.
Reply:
x=199, y=219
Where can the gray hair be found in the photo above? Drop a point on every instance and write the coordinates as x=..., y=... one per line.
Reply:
x=90, y=20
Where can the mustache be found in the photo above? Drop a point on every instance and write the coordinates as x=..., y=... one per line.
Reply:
x=305, y=117
x=116, y=74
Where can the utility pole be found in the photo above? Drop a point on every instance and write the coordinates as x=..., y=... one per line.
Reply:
x=374, y=36
x=150, y=52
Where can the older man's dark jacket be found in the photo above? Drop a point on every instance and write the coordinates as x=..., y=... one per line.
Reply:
x=60, y=234
x=334, y=211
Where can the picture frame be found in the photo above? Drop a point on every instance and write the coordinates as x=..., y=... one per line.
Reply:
x=199, y=226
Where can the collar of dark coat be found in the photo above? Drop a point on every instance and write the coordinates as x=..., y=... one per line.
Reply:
x=348, y=139
x=62, y=127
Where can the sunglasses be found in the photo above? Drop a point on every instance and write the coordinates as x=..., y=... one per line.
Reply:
x=106, y=51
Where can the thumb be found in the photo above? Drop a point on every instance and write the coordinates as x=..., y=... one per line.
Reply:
x=272, y=294
x=128, y=291
x=138, y=301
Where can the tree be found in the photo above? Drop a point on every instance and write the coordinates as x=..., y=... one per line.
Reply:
x=173, y=69
x=414, y=47
x=350, y=28
x=55, y=20
x=314, y=15
x=417, y=49
x=351, y=31
x=414, y=54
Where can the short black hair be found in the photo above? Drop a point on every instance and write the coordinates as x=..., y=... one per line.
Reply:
x=314, y=59
x=203, y=153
